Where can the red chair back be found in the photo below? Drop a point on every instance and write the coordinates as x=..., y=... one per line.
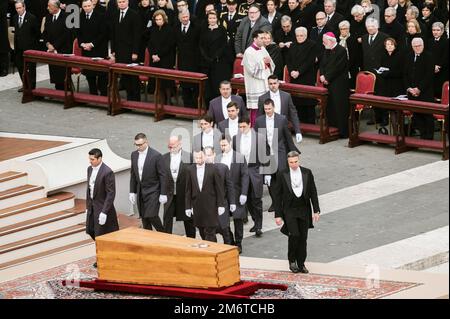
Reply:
x=444, y=99
x=286, y=75
x=76, y=50
x=144, y=78
x=365, y=82
x=238, y=68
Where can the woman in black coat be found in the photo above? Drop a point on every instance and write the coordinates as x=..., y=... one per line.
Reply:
x=300, y=65
x=391, y=79
x=275, y=53
x=146, y=11
x=428, y=18
x=162, y=48
x=214, y=59
x=438, y=46
x=413, y=31
x=308, y=10
x=167, y=7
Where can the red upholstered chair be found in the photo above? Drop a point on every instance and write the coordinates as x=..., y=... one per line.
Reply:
x=444, y=101
x=76, y=50
x=142, y=78
x=238, y=68
x=286, y=75
x=365, y=84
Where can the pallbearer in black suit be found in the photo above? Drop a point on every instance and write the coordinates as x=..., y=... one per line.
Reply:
x=418, y=81
x=209, y=136
x=238, y=174
x=275, y=127
x=58, y=39
x=101, y=217
x=218, y=106
x=125, y=44
x=187, y=35
x=254, y=148
x=176, y=163
x=295, y=193
x=204, y=196
x=147, y=182
x=93, y=41
x=26, y=37
x=229, y=197
x=334, y=75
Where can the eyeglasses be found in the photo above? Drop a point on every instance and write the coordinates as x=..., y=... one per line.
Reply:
x=253, y=12
x=139, y=144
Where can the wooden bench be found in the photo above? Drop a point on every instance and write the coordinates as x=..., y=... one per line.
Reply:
x=400, y=141
x=326, y=133
x=157, y=107
x=68, y=96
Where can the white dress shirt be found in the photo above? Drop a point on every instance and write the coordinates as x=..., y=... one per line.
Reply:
x=224, y=106
x=296, y=181
x=124, y=13
x=233, y=126
x=175, y=160
x=271, y=17
x=246, y=145
x=200, y=175
x=56, y=16
x=141, y=162
x=270, y=126
x=93, y=178
x=227, y=158
x=208, y=139
x=185, y=26
x=276, y=100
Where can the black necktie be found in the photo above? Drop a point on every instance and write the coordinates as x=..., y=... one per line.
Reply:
x=20, y=22
x=415, y=58
x=88, y=16
x=121, y=16
x=184, y=29
x=371, y=40
x=54, y=18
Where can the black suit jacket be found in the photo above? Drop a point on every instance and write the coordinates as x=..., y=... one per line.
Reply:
x=27, y=36
x=152, y=185
x=126, y=35
x=333, y=23
x=284, y=195
x=287, y=108
x=239, y=178
x=205, y=202
x=372, y=53
x=93, y=31
x=420, y=74
x=180, y=187
x=57, y=34
x=317, y=36
x=282, y=145
x=188, y=47
x=197, y=143
x=101, y=202
x=259, y=156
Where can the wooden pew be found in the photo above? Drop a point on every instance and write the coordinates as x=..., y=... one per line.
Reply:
x=326, y=133
x=400, y=141
x=157, y=107
x=68, y=96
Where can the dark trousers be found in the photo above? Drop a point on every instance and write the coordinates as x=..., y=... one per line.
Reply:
x=208, y=233
x=273, y=181
x=98, y=83
x=170, y=213
x=238, y=235
x=306, y=111
x=254, y=206
x=148, y=222
x=18, y=60
x=297, y=244
x=4, y=62
x=226, y=234
x=425, y=124
x=190, y=95
x=132, y=86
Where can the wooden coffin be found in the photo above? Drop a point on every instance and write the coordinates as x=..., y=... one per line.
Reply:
x=139, y=256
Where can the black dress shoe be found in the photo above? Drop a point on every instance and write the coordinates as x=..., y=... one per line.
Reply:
x=239, y=246
x=271, y=209
x=294, y=268
x=94, y=265
x=258, y=233
x=303, y=269
x=20, y=90
x=370, y=122
x=253, y=229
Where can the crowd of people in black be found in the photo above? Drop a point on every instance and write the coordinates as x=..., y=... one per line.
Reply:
x=208, y=35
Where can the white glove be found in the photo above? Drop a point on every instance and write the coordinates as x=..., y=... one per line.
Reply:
x=232, y=208
x=189, y=212
x=221, y=210
x=132, y=198
x=299, y=137
x=242, y=199
x=267, y=180
x=102, y=219
x=162, y=199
